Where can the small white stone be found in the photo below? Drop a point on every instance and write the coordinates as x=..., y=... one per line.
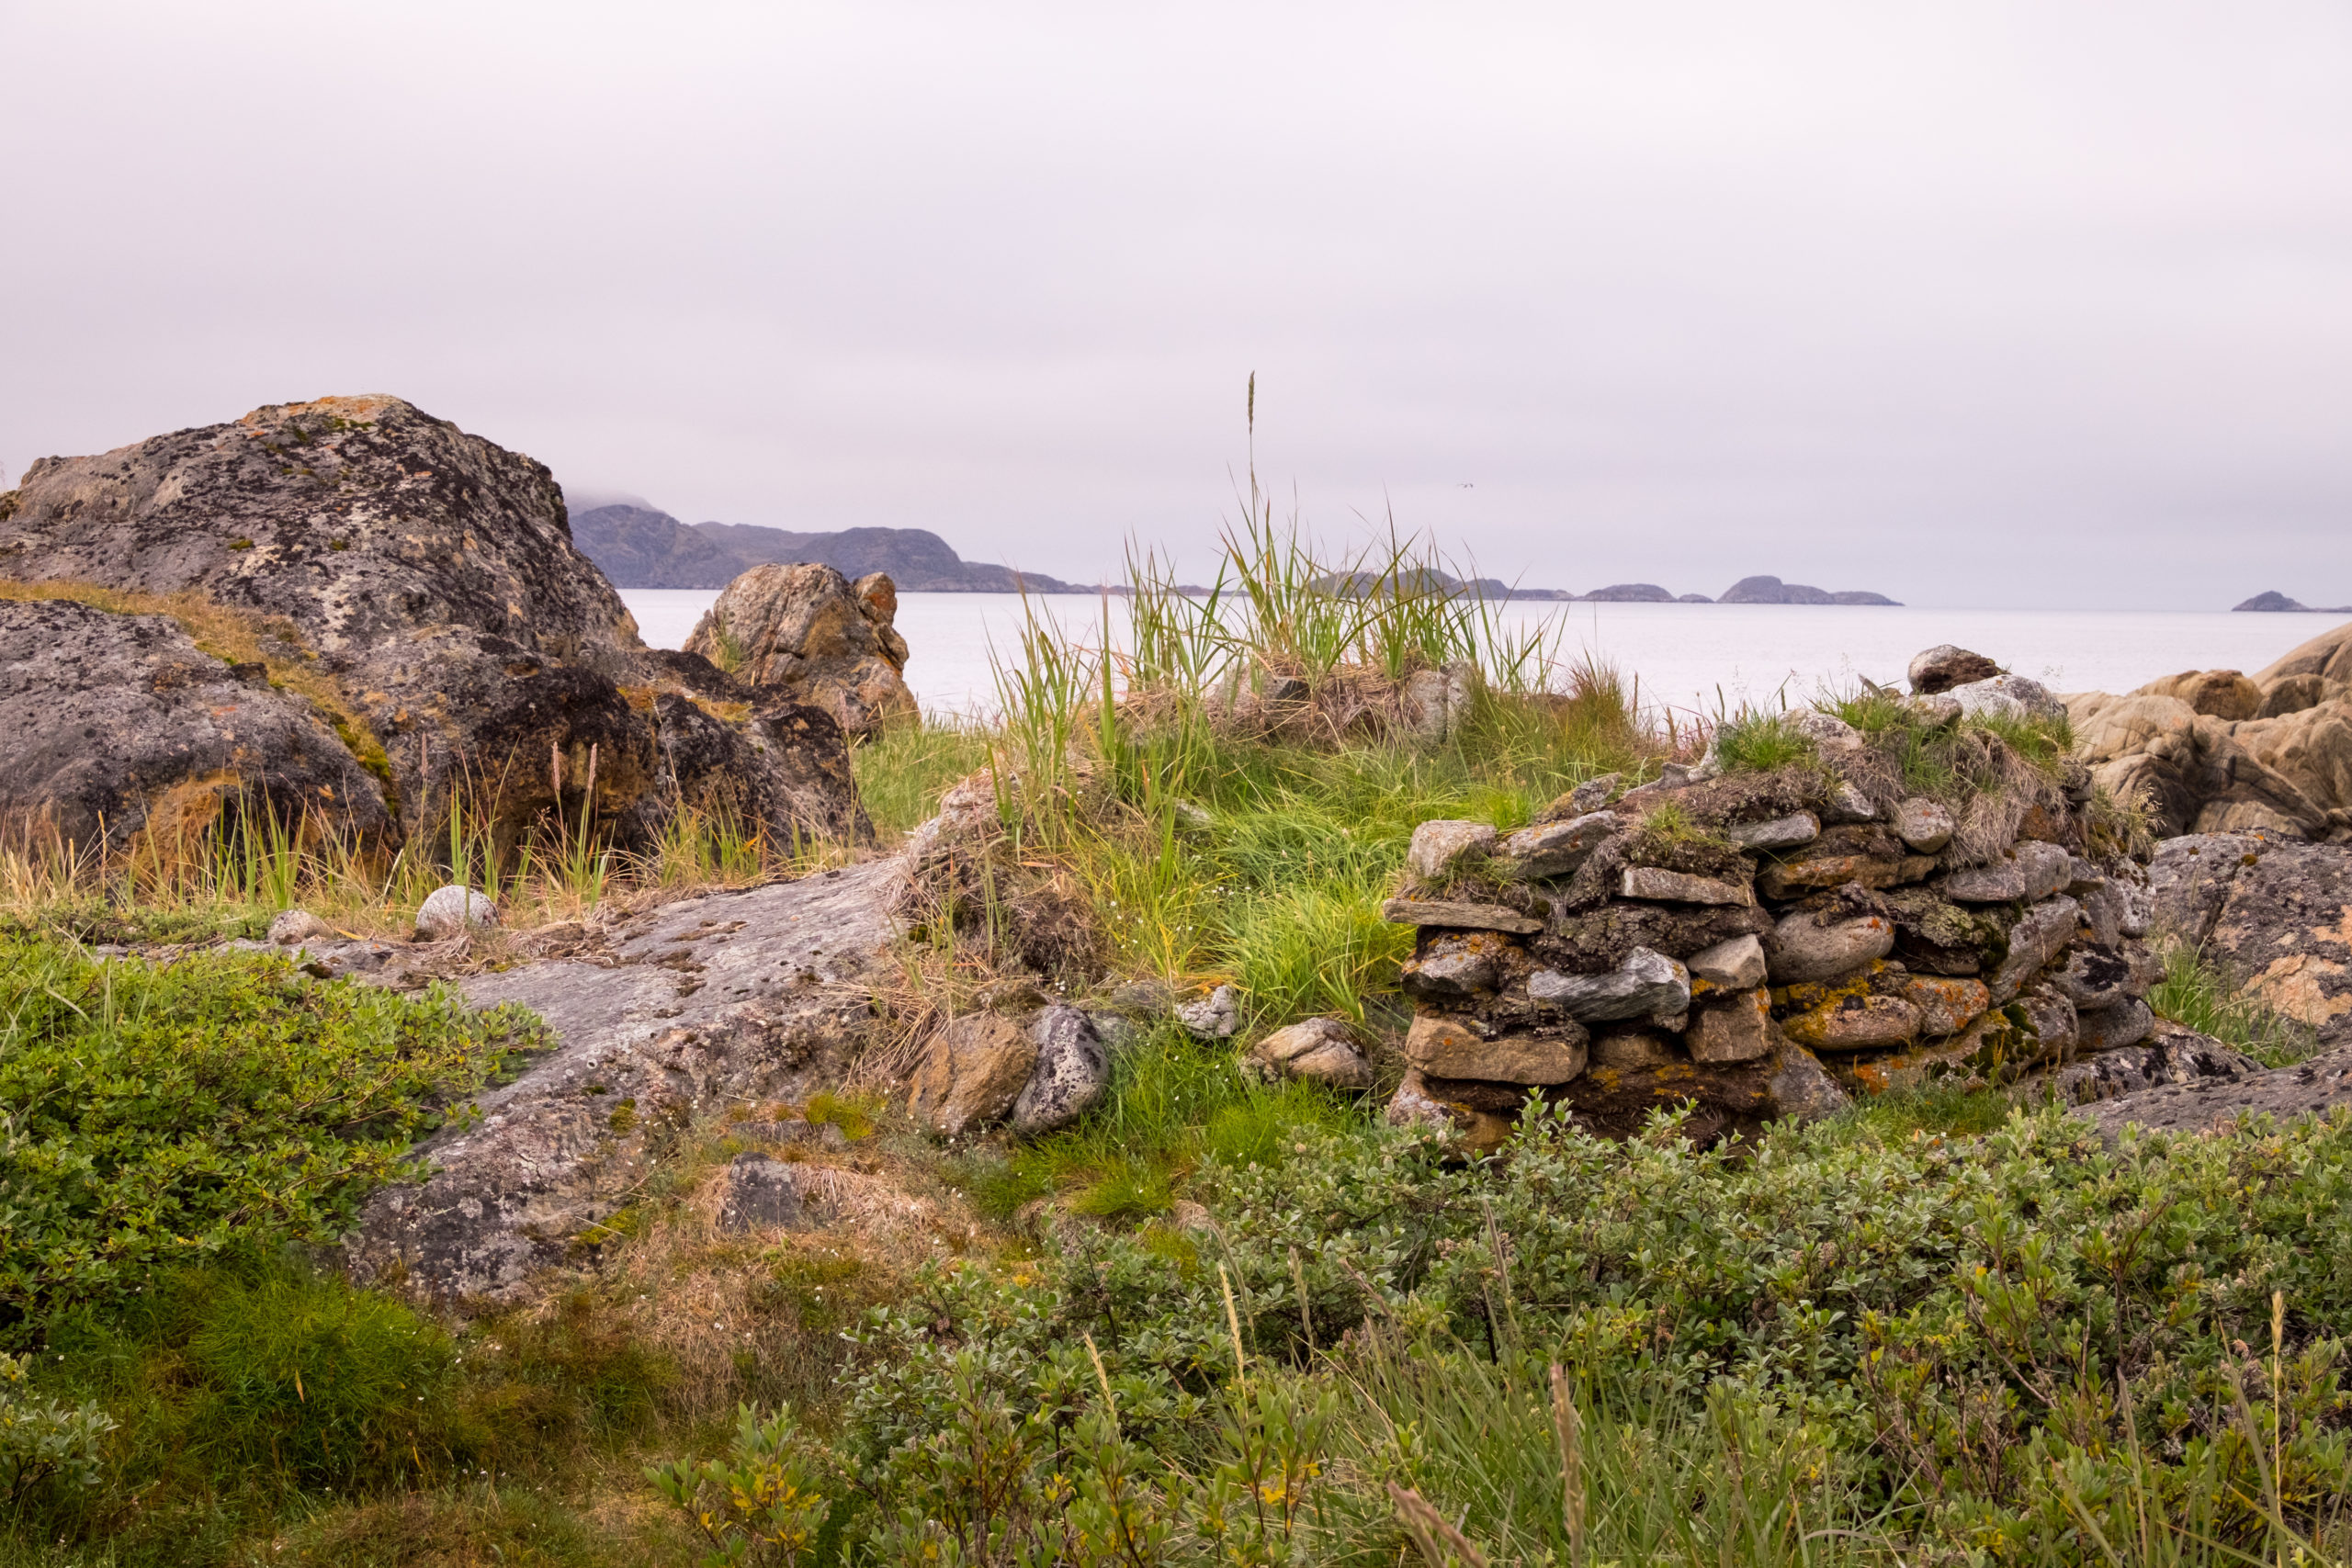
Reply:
x=452, y=911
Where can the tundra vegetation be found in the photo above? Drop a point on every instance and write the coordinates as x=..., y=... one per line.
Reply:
x=1214, y=1321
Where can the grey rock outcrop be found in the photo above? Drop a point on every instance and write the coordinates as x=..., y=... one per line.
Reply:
x=418, y=584
x=2275, y=913
x=453, y=911
x=1320, y=1050
x=808, y=633
x=691, y=1006
x=1072, y=1073
x=122, y=733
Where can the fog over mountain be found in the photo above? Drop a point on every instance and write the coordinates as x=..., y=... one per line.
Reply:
x=1965, y=303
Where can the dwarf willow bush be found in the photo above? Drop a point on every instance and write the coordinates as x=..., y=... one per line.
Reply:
x=2012, y=1345
x=151, y=1113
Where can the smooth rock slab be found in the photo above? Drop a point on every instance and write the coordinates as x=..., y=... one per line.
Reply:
x=1789, y=833
x=1657, y=884
x=1322, y=1050
x=1648, y=984
x=697, y=1004
x=1801, y=949
x=1794, y=878
x=1733, y=966
x=453, y=911
x=2308, y=1087
x=1458, y=917
x=1439, y=847
x=1444, y=1046
x=1940, y=668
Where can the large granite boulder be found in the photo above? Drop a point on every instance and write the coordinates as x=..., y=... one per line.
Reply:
x=2275, y=912
x=808, y=631
x=2199, y=773
x=419, y=587
x=121, y=733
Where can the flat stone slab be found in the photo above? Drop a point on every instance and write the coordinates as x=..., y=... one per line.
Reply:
x=727, y=997
x=2211, y=1104
x=1459, y=917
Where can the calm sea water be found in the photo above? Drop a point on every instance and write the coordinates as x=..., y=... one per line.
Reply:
x=1685, y=656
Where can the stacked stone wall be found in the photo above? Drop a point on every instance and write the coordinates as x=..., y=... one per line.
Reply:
x=1756, y=945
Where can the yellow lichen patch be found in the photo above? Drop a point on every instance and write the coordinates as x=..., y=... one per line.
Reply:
x=234, y=637
x=639, y=698
x=2296, y=987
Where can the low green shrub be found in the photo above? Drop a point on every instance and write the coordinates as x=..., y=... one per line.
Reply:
x=152, y=1113
x=1847, y=1342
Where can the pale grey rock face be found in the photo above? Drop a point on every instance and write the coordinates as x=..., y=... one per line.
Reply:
x=1449, y=971
x=1320, y=1050
x=1438, y=847
x=695, y=1005
x=1791, y=832
x=293, y=927
x=453, y=911
x=2199, y=1086
x=1445, y=1046
x=1436, y=702
x=1925, y=825
x=1802, y=1089
x=1592, y=795
x=2127, y=1022
x=1733, y=966
x=2275, y=914
x=1213, y=1017
x=1940, y=668
x=2048, y=869
x=1648, y=984
x=2008, y=696
x=1803, y=950
x=1736, y=1028
x=2034, y=940
x=1072, y=1074
x=1557, y=849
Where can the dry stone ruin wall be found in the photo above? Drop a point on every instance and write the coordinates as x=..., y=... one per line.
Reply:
x=1763, y=944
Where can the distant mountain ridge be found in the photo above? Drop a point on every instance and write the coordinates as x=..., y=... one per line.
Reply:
x=638, y=547
x=641, y=546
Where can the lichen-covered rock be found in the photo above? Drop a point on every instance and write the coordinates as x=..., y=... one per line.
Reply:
x=2219, y=1092
x=1320, y=1050
x=2029, y=871
x=2034, y=940
x=2276, y=913
x=121, y=733
x=1438, y=847
x=1557, y=849
x=806, y=630
x=1858, y=1021
x=1733, y=1027
x=685, y=1009
x=2171, y=1056
x=1072, y=1076
x=1447, y=1046
x=1458, y=966
x=423, y=579
x=1213, y=1017
x=2094, y=976
x=1793, y=831
x=761, y=1193
x=1657, y=884
x=1945, y=1005
x=972, y=1073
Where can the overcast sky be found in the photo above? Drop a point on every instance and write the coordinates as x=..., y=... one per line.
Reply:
x=1974, y=304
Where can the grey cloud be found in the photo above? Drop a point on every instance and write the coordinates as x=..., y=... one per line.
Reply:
x=1682, y=291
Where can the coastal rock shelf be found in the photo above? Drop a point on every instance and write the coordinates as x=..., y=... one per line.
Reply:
x=1757, y=944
